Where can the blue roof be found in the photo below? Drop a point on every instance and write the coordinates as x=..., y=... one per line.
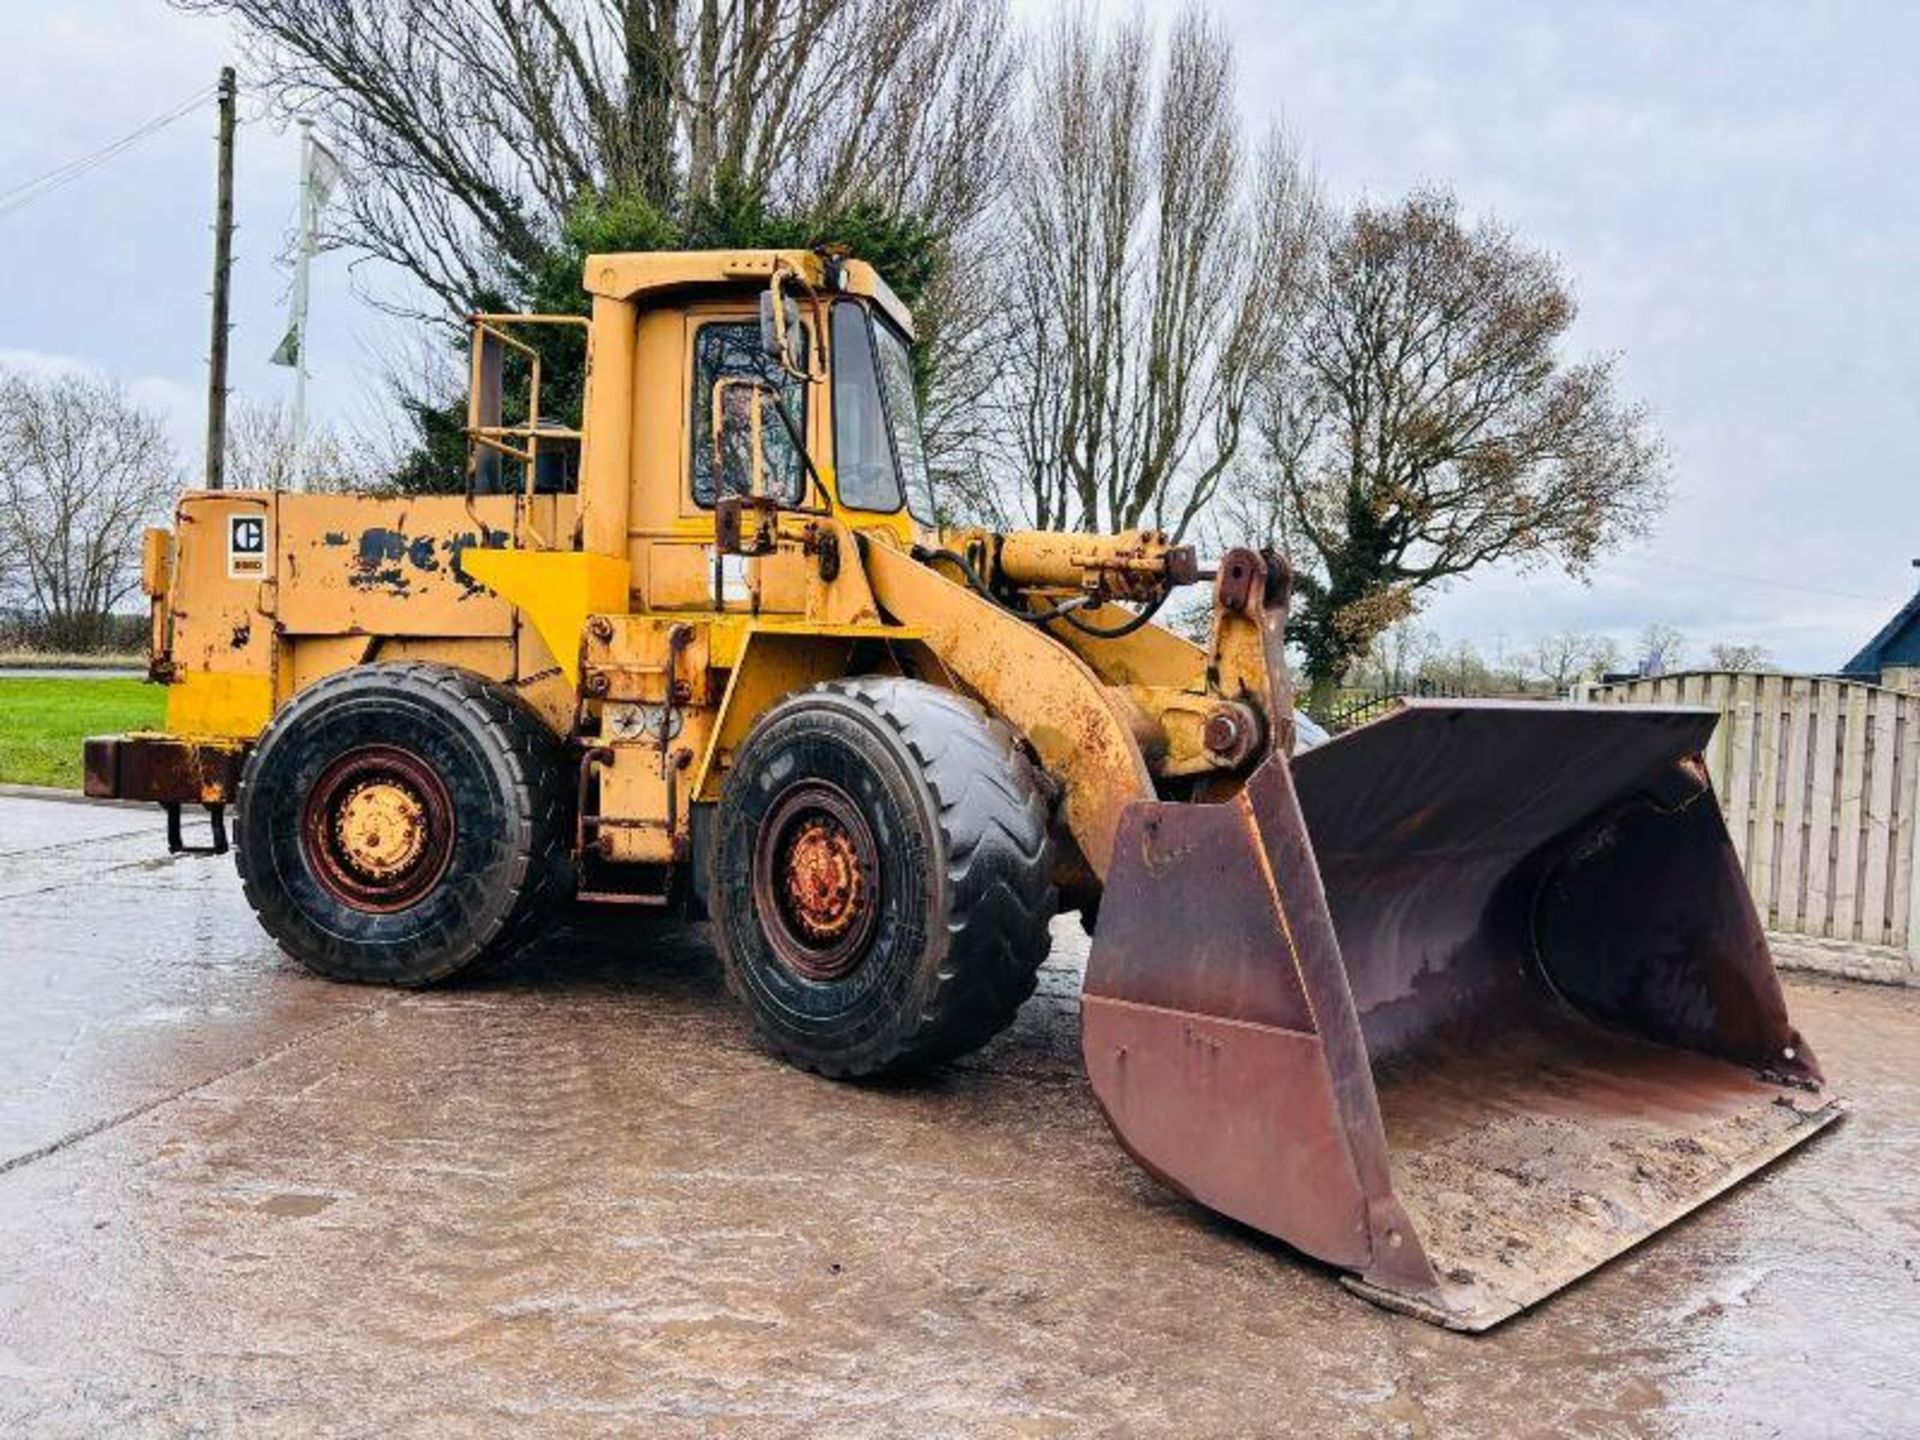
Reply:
x=1898, y=643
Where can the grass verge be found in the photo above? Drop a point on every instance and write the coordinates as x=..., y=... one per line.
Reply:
x=42, y=723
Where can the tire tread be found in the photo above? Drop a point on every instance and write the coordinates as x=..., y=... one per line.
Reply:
x=994, y=817
x=540, y=872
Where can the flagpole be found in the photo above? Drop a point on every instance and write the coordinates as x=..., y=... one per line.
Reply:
x=302, y=259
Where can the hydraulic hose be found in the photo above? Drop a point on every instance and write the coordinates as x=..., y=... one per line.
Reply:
x=1123, y=629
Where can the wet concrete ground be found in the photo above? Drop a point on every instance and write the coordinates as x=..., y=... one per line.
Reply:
x=577, y=1199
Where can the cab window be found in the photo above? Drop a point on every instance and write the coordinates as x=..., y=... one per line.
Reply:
x=903, y=419
x=730, y=349
x=862, y=447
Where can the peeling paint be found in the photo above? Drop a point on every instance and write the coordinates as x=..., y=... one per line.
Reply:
x=460, y=544
x=390, y=560
x=378, y=564
x=391, y=578
x=378, y=544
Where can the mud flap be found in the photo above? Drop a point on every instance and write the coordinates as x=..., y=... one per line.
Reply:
x=1465, y=1002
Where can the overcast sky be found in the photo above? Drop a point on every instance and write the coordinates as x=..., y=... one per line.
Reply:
x=1732, y=188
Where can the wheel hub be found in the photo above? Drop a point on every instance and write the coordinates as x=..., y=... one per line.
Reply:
x=377, y=828
x=381, y=829
x=816, y=881
x=823, y=878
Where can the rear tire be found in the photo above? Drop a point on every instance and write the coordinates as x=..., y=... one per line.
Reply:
x=881, y=877
x=399, y=823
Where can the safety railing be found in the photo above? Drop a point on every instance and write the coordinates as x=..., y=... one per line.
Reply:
x=488, y=432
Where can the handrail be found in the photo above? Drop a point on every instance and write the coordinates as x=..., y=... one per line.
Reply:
x=498, y=438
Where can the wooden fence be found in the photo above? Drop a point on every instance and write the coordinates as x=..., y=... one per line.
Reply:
x=1820, y=781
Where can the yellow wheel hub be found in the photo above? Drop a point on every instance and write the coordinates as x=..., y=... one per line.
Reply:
x=381, y=829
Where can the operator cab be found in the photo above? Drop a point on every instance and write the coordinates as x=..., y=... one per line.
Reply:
x=799, y=398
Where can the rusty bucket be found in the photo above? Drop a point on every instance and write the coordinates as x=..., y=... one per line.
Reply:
x=1465, y=1002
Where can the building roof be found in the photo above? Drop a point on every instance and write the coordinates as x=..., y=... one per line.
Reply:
x=1898, y=643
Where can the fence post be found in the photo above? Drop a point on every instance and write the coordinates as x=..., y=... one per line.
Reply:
x=1913, y=876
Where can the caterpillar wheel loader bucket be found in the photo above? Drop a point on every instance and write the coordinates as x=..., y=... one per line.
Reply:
x=1464, y=1003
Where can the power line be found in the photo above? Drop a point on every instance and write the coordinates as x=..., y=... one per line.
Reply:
x=73, y=169
x=1768, y=582
x=18, y=197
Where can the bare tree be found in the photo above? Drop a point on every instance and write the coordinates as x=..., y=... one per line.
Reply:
x=1397, y=657
x=260, y=448
x=82, y=471
x=1149, y=274
x=1662, y=648
x=471, y=128
x=1722, y=655
x=1560, y=659
x=261, y=453
x=1602, y=657
x=1422, y=424
x=1463, y=670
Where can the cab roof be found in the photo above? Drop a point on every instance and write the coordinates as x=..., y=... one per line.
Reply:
x=649, y=274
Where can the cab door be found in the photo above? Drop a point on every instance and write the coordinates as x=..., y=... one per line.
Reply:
x=716, y=348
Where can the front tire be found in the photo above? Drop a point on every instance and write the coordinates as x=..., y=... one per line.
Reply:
x=881, y=877
x=400, y=822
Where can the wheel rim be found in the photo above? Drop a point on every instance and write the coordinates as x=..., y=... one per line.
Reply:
x=816, y=881
x=377, y=829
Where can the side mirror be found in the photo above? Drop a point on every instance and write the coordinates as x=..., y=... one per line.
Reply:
x=781, y=338
x=738, y=436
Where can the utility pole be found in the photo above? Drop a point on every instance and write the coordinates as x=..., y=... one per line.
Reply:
x=222, y=287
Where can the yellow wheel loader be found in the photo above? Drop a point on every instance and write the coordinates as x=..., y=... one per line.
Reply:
x=1462, y=1003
